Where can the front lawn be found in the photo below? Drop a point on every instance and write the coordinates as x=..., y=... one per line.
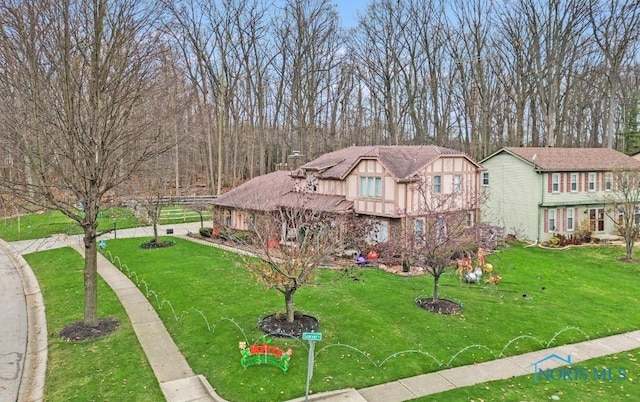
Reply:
x=46, y=223
x=372, y=330
x=113, y=368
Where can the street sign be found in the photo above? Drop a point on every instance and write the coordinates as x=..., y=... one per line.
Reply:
x=311, y=336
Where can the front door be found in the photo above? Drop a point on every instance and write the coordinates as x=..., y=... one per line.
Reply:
x=596, y=219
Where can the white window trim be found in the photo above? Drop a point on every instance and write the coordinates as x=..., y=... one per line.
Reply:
x=554, y=227
x=573, y=176
x=589, y=182
x=571, y=213
x=485, y=175
x=555, y=183
x=608, y=181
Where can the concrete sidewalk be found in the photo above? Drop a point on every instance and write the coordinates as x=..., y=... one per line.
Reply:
x=21, y=307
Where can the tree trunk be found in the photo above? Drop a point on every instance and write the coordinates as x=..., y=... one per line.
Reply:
x=436, y=287
x=288, y=300
x=90, y=276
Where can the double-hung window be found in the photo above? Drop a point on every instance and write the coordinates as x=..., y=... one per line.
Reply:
x=574, y=182
x=555, y=183
x=570, y=219
x=552, y=220
x=485, y=178
x=592, y=181
x=437, y=184
x=608, y=181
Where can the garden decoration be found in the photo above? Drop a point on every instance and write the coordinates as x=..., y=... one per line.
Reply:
x=470, y=274
x=263, y=353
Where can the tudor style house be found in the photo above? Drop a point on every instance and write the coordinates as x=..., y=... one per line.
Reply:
x=533, y=193
x=383, y=184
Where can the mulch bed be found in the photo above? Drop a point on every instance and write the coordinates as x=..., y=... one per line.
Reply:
x=156, y=244
x=78, y=331
x=274, y=326
x=440, y=306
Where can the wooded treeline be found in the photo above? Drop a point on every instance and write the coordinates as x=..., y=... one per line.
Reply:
x=257, y=80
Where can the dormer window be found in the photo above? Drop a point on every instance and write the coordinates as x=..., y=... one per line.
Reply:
x=312, y=183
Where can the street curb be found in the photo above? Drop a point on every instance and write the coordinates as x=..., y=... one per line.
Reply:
x=35, y=364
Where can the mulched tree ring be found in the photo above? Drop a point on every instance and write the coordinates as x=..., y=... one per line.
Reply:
x=78, y=331
x=156, y=244
x=439, y=306
x=276, y=325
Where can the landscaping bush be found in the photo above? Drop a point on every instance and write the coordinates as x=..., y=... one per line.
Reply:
x=206, y=232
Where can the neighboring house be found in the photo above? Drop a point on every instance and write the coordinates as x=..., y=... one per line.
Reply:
x=380, y=183
x=535, y=192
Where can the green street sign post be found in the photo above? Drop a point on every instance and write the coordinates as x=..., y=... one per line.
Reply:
x=312, y=337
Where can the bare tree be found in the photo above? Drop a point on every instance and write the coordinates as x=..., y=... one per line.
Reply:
x=81, y=71
x=625, y=206
x=442, y=229
x=294, y=241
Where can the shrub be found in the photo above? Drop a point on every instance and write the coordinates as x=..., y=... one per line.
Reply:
x=206, y=232
x=240, y=237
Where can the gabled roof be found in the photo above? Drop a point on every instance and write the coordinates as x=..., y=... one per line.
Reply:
x=402, y=162
x=278, y=189
x=570, y=159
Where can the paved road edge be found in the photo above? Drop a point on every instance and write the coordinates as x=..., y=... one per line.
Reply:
x=35, y=365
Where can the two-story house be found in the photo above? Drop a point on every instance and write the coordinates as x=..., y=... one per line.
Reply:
x=534, y=192
x=380, y=183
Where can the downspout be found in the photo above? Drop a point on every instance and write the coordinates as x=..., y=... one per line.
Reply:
x=541, y=203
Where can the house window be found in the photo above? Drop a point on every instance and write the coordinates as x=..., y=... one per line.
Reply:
x=312, y=183
x=608, y=181
x=371, y=187
x=574, y=182
x=485, y=178
x=419, y=230
x=570, y=219
x=457, y=182
x=555, y=183
x=469, y=219
x=379, y=232
x=596, y=219
x=441, y=233
x=437, y=184
x=552, y=220
x=227, y=217
x=592, y=181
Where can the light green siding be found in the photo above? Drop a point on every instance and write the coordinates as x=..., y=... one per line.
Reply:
x=512, y=196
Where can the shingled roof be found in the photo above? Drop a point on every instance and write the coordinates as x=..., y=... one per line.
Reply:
x=277, y=189
x=402, y=162
x=572, y=159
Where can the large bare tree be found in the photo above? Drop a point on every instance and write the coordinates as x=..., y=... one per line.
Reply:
x=76, y=79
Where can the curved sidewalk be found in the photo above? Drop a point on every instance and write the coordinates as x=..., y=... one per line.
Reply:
x=24, y=311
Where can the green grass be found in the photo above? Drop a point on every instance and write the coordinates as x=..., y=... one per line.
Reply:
x=37, y=226
x=526, y=388
x=179, y=214
x=112, y=368
x=372, y=330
